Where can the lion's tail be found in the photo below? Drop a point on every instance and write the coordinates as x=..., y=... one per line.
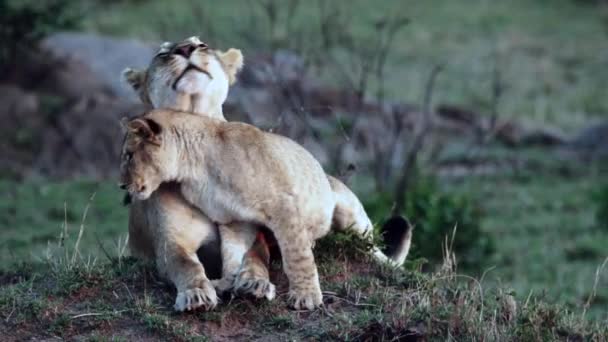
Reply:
x=350, y=215
x=397, y=239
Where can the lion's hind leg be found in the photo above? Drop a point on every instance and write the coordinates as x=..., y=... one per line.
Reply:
x=245, y=258
x=253, y=277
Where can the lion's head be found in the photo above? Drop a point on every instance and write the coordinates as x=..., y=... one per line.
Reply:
x=146, y=158
x=187, y=76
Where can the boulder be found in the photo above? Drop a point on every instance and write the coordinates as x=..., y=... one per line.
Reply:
x=106, y=57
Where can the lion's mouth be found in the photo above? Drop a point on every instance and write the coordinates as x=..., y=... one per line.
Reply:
x=188, y=68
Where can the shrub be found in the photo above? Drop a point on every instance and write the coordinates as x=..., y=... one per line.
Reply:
x=435, y=213
x=26, y=22
x=601, y=201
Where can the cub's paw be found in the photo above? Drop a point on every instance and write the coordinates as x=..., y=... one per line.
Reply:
x=202, y=296
x=259, y=288
x=306, y=299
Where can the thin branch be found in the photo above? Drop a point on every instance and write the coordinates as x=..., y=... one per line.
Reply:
x=420, y=132
x=497, y=90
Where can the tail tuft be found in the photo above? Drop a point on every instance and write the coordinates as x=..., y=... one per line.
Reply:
x=396, y=235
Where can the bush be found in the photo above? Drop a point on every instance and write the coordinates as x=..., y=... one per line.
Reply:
x=26, y=22
x=434, y=213
x=601, y=200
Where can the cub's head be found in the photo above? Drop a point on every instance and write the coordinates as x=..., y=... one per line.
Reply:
x=184, y=72
x=146, y=158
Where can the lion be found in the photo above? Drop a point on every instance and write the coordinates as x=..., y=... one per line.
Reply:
x=167, y=229
x=245, y=267
x=234, y=172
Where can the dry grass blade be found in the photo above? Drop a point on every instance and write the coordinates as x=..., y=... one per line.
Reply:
x=76, y=252
x=598, y=272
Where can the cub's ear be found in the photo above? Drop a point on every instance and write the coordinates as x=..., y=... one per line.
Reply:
x=147, y=129
x=232, y=61
x=135, y=78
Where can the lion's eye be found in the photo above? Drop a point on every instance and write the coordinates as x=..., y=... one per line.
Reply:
x=203, y=46
x=129, y=156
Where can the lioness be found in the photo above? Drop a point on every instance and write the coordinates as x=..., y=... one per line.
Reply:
x=164, y=85
x=235, y=172
x=166, y=228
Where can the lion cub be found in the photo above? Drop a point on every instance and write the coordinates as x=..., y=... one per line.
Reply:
x=235, y=172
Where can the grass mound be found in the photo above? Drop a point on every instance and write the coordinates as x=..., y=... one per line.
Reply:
x=78, y=298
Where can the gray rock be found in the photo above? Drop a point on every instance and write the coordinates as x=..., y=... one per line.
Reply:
x=105, y=56
x=592, y=140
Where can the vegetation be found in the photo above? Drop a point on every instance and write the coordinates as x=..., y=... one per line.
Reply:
x=601, y=200
x=529, y=239
x=441, y=218
x=38, y=214
x=73, y=298
x=25, y=23
x=551, y=73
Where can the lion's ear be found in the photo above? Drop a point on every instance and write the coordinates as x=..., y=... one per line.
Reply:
x=147, y=129
x=135, y=78
x=232, y=61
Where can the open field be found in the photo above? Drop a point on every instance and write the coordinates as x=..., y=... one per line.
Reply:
x=537, y=204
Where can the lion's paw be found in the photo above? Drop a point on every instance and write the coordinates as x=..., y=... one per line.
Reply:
x=306, y=299
x=257, y=287
x=203, y=296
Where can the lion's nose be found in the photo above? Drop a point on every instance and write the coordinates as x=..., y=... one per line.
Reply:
x=184, y=50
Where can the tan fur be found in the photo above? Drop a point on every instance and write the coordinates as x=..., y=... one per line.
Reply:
x=244, y=272
x=232, y=61
x=234, y=172
x=152, y=233
x=204, y=78
x=245, y=176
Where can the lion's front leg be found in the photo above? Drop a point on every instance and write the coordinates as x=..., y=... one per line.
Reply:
x=186, y=272
x=245, y=259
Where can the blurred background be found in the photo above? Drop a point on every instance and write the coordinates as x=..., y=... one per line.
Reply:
x=485, y=122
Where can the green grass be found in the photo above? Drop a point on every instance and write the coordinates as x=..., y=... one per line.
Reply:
x=550, y=53
x=126, y=300
x=544, y=225
x=35, y=214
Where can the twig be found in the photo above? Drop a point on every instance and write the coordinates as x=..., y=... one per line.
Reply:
x=128, y=291
x=419, y=134
x=342, y=129
x=103, y=249
x=90, y=314
x=477, y=282
x=497, y=90
x=329, y=294
x=11, y=313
